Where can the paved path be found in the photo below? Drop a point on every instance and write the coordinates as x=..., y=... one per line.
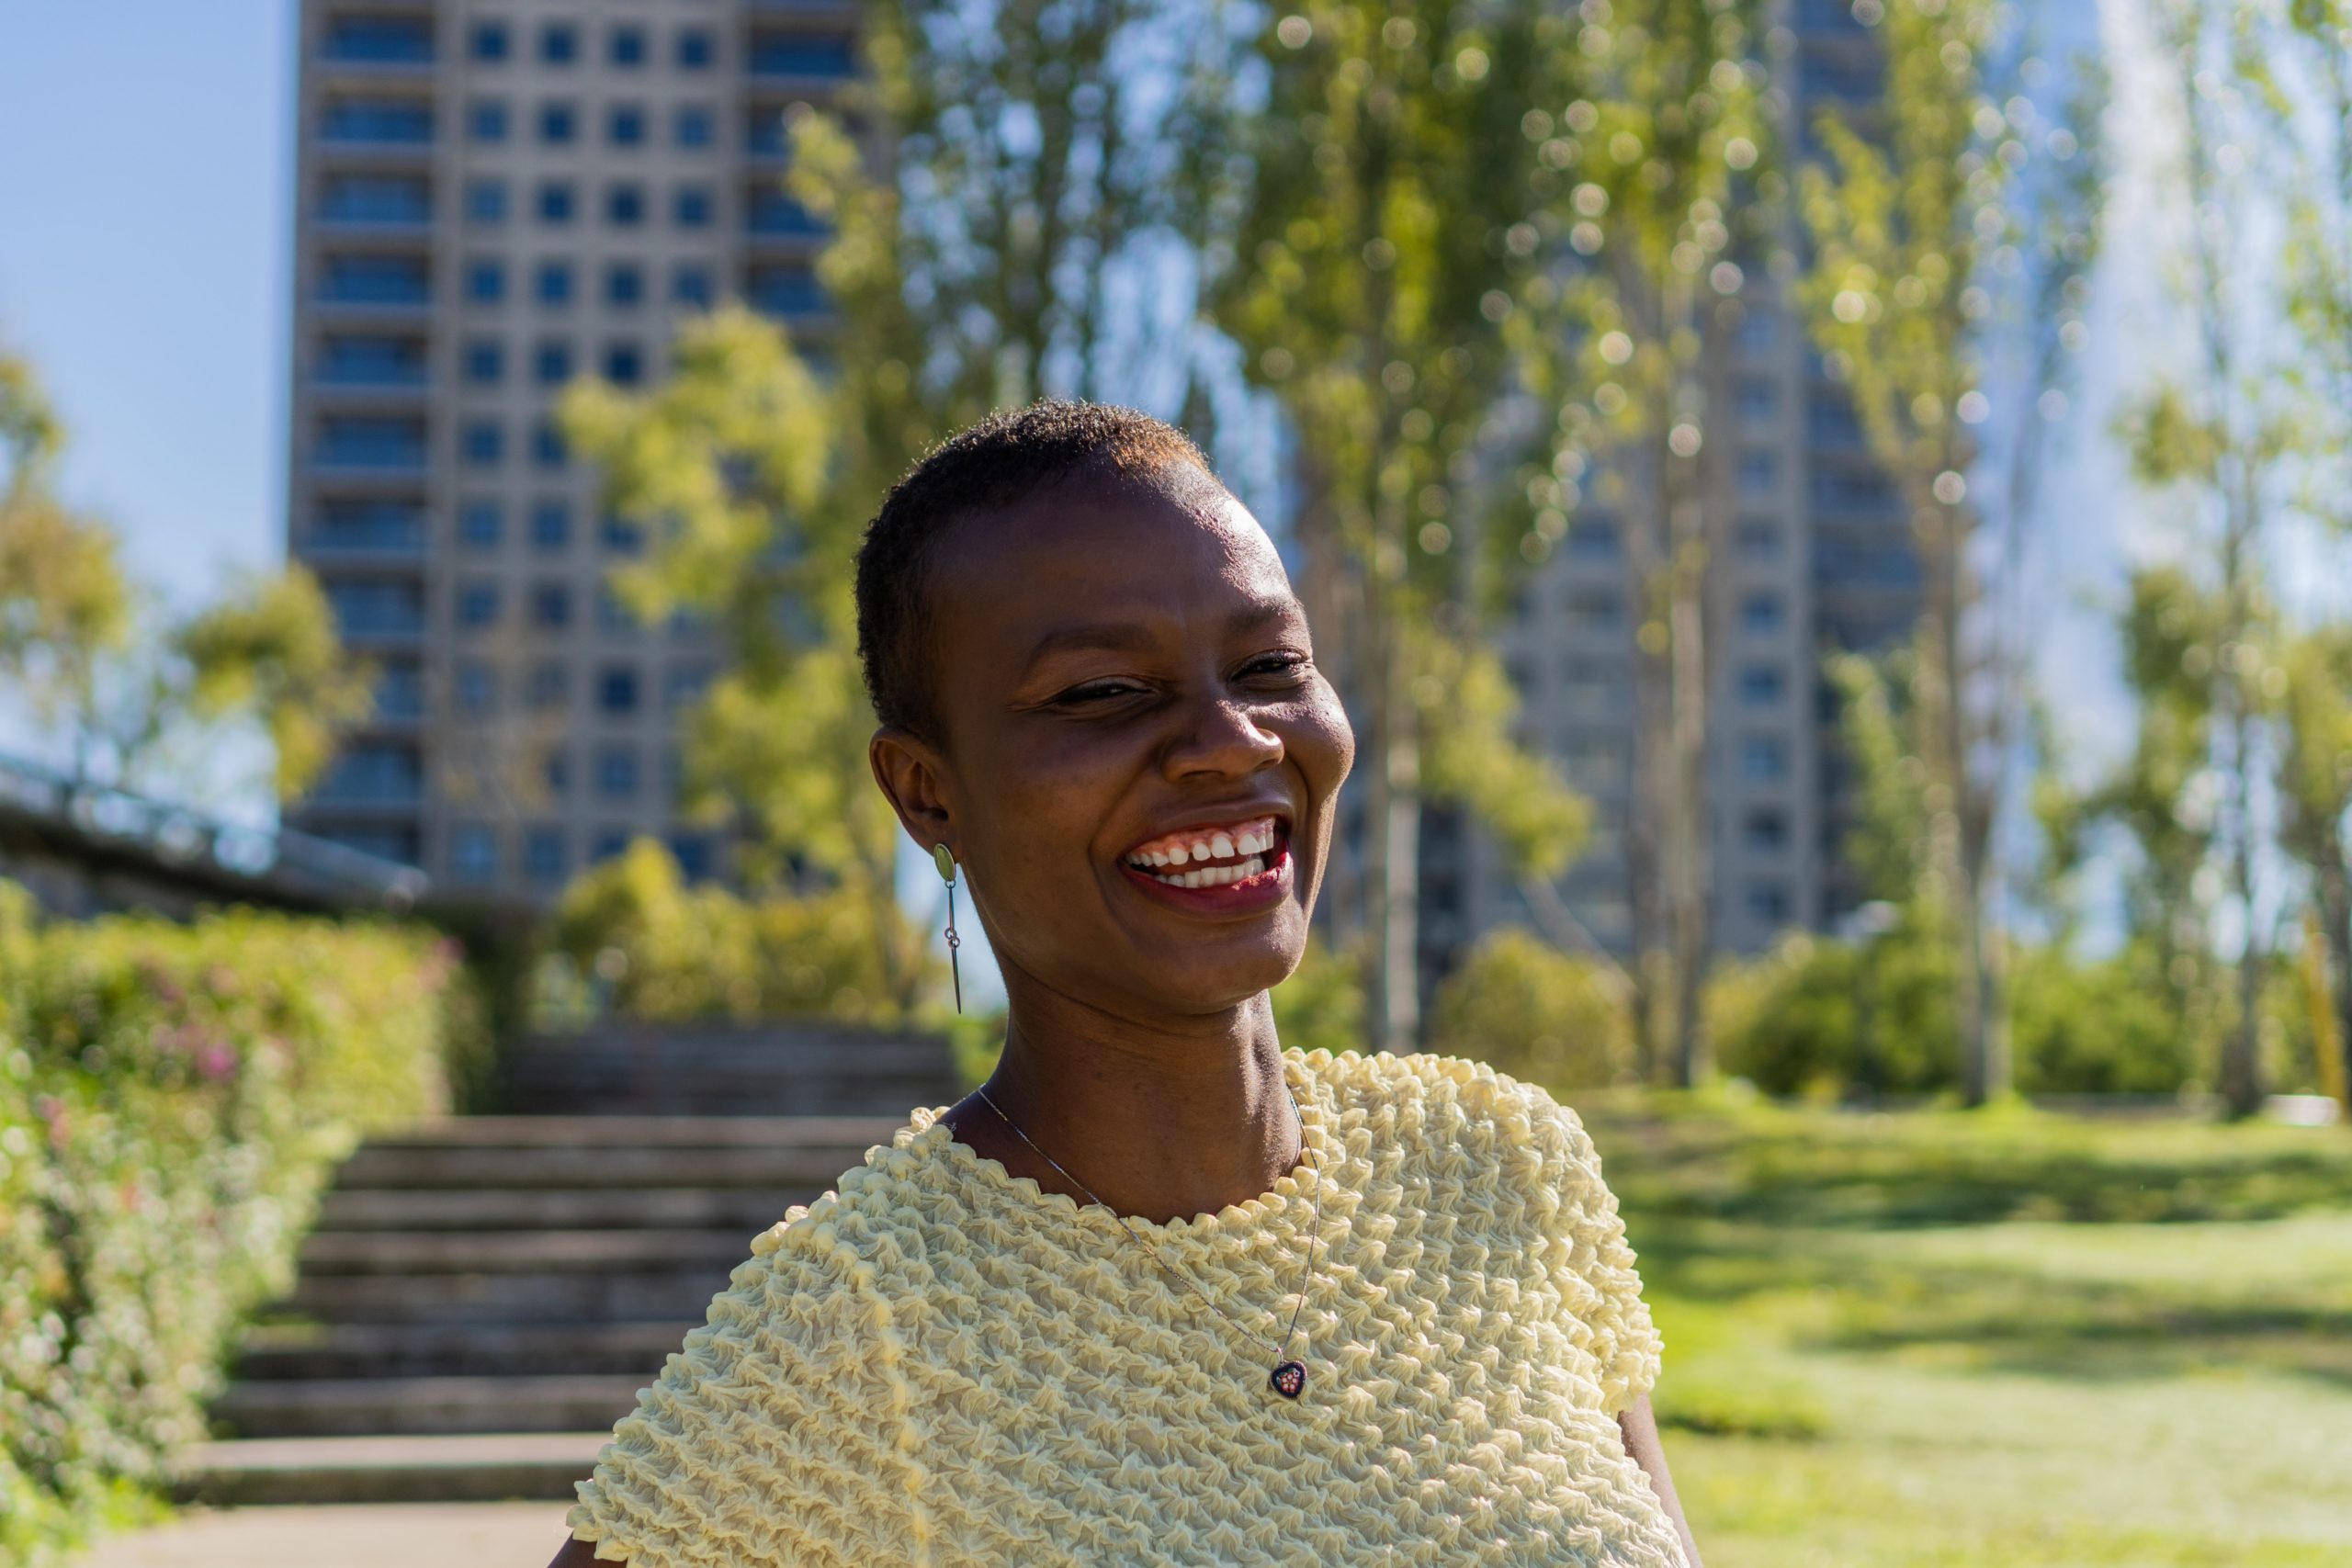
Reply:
x=346, y=1535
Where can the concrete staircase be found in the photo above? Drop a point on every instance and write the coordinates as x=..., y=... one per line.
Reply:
x=483, y=1296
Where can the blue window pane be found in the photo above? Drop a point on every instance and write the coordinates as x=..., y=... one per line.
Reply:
x=624, y=126
x=473, y=853
x=484, y=443
x=481, y=525
x=373, y=524
x=616, y=771
x=555, y=201
x=1761, y=612
x=625, y=206
x=622, y=537
x=557, y=123
x=696, y=49
x=693, y=207
x=765, y=134
x=801, y=54
x=624, y=365
x=690, y=284
x=374, y=281
x=485, y=362
x=477, y=687
x=1769, y=901
x=371, y=360
x=773, y=212
x=374, y=773
x=486, y=201
x=616, y=689
x=692, y=852
x=1763, y=759
x=478, y=604
x=487, y=120
x=696, y=126
x=611, y=843
x=628, y=46
x=548, y=450
x=556, y=769
x=1761, y=685
x=375, y=198
x=1765, y=827
x=784, y=291
x=362, y=441
x=543, y=855
x=490, y=40
x=623, y=284
x=1757, y=538
x=559, y=43
x=380, y=39
x=555, y=283
x=485, y=280
x=553, y=362
x=371, y=606
x=550, y=604
x=398, y=121
x=551, y=524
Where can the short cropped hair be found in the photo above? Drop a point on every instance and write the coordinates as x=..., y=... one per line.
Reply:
x=989, y=467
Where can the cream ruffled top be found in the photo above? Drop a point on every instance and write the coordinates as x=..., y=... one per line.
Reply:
x=941, y=1363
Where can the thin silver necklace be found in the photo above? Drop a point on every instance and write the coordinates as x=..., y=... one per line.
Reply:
x=1288, y=1376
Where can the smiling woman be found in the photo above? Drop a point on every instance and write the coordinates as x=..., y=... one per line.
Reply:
x=1161, y=1290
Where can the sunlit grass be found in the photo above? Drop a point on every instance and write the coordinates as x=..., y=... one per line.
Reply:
x=1931, y=1340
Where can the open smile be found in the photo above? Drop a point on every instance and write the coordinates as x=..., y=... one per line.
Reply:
x=1223, y=867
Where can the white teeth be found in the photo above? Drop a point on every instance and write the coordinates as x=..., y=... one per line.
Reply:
x=1221, y=847
x=1160, y=857
x=1178, y=854
x=1250, y=843
x=1215, y=876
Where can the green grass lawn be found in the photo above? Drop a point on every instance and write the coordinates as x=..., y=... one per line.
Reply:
x=2013, y=1339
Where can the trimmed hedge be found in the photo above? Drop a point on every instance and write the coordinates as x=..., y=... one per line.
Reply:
x=173, y=1098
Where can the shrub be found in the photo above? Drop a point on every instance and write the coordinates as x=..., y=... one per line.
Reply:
x=1817, y=1016
x=1321, y=1006
x=1534, y=1012
x=668, y=951
x=172, y=1099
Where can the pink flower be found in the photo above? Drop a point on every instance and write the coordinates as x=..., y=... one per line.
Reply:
x=216, y=1060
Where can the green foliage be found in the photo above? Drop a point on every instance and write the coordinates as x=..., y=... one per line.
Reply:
x=1818, y=1016
x=171, y=1101
x=2103, y=1027
x=1536, y=1013
x=668, y=951
x=124, y=694
x=1321, y=1006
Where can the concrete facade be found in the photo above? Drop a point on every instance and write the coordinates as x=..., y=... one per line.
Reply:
x=494, y=198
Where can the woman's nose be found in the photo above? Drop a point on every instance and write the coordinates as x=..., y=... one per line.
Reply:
x=1221, y=735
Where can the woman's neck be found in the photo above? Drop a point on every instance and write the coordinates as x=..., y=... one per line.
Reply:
x=1161, y=1123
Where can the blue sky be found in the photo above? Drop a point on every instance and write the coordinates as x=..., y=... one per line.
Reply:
x=143, y=216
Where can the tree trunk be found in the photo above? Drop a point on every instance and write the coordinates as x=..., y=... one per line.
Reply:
x=2334, y=900
x=1393, y=834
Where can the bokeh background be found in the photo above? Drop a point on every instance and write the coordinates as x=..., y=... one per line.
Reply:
x=1828, y=518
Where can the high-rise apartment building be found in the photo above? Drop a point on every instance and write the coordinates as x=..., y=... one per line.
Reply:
x=1816, y=559
x=494, y=197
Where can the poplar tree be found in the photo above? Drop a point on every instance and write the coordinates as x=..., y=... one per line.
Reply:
x=1383, y=276
x=1951, y=235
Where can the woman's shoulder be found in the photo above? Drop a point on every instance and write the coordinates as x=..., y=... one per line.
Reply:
x=1426, y=1092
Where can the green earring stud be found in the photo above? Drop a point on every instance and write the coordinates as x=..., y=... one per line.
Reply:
x=944, y=859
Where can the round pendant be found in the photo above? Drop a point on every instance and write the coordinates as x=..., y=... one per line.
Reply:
x=1289, y=1379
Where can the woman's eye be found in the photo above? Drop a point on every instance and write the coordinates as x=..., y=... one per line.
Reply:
x=1097, y=691
x=1277, y=664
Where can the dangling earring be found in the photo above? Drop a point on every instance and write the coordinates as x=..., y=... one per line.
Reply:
x=945, y=861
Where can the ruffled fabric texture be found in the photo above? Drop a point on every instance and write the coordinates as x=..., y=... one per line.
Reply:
x=940, y=1363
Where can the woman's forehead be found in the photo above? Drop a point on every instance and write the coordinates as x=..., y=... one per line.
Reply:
x=1088, y=554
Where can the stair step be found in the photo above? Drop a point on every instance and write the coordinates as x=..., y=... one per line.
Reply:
x=569, y=1166
x=548, y=1298
x=328, y=1408
x=361, y=1350
x=489, y=1252
x=748, y=1210
x=855, y=1134
x=490, y=1468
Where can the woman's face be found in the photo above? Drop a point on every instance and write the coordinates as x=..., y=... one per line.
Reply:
x=1128, y=703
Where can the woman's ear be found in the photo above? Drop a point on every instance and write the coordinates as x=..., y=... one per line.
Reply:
x=913, y=776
